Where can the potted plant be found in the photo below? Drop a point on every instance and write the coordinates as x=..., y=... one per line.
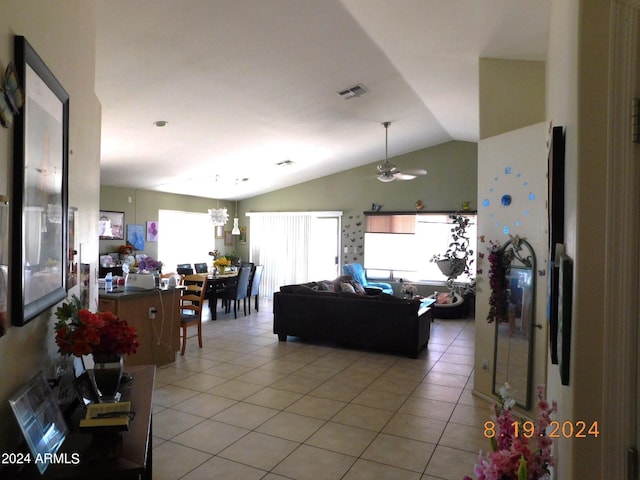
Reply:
x=458, y=257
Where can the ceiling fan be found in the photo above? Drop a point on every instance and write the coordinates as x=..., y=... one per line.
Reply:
x=387, y=171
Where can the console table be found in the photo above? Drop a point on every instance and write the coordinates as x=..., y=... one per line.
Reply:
x=126, y=456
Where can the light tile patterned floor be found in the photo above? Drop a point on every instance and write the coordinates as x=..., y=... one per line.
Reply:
x=246, y=406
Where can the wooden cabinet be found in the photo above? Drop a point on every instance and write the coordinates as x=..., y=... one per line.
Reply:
x=159, y=336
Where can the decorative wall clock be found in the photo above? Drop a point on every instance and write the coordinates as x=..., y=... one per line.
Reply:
x=509, y=190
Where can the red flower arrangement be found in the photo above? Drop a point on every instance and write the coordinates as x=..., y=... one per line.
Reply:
x=81, y=332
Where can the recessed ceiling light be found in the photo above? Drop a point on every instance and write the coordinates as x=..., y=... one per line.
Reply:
x=160, y=123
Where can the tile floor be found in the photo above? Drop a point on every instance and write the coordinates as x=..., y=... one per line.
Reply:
x=246, y=406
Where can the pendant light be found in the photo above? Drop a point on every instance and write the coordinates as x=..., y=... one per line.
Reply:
x=218, y=216
x=236, y=229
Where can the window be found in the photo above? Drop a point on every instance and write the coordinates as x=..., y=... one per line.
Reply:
x=185, y=237
x=401, y=246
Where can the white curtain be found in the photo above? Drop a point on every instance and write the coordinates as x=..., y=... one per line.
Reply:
x=280, y=242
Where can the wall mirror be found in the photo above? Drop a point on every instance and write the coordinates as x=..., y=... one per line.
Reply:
x=513, y=352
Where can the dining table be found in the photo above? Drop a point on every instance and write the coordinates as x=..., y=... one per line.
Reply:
x=216, y=284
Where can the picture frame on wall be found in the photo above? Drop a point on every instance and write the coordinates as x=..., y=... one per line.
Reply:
x=242, y=239
x=565, y=304
x=152, y=231
x=135, y=236
x=555, y=181
x=111, y=225
x=228, y=238
x=4, y=262
x=40, y=208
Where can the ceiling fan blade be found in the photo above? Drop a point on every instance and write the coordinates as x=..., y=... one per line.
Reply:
x=414, y=171
x=403, y=176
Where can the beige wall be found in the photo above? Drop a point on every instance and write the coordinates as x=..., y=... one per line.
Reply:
x=510, y=95
x=451, y=180
x=63, y=34
x=141, y=206
x=577, y=99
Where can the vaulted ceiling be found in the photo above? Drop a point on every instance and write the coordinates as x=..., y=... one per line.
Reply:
x=247, y=84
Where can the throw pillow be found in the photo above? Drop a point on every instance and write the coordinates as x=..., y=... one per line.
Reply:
x=443, y=298
x=347, y=287
x=357, y=287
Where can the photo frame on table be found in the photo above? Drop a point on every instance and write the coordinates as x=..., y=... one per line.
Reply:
x=40, y=420
x=555, y=180
x=219, y=231
x=111, y=225
x=40, y=171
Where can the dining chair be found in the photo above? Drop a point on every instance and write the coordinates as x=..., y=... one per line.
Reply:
x=254, y=287
x=184, y=269
x=191, y=304
x=238, y=291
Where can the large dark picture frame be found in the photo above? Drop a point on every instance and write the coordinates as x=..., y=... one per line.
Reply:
x=555, y=174
x=40, y=189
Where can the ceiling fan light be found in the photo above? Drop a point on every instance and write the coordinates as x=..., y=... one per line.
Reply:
x=385, y=178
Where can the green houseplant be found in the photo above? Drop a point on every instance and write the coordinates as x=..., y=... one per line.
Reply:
x=458, y=258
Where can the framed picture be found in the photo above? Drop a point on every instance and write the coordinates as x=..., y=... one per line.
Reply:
x=111, y=225
x=40, y=420
x=72, y=248
x=152, y=231
x=242, y=239
x=228, y=238
x=556, y=230
x=4, y=262
x=135, y=236
x=41, y=144
x=85, y=390
x=219, y=231
x=565, y=301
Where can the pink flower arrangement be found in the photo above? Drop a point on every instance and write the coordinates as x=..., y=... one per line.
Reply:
x=521, y=450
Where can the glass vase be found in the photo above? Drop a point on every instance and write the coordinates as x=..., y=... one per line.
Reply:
x=107, y=373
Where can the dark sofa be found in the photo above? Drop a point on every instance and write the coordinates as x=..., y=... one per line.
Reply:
x=374, y=320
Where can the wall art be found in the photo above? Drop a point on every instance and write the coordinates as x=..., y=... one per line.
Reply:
x=111, y=225
x=39, y=236
x=152, y=231
x=555, y=180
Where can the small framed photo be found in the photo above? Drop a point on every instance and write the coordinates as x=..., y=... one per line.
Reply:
x=228, y=238
x=152, y=231
x=219, y=231
x=242, y=239
x=111, y=225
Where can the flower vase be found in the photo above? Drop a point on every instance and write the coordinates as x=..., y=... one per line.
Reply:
x=107, y=373
x=222, y=269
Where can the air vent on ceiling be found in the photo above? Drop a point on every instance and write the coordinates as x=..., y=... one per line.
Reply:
x=284, y=163
x=351, y=92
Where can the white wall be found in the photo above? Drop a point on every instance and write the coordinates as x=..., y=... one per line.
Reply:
x=63, y=34
x=513, y=163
